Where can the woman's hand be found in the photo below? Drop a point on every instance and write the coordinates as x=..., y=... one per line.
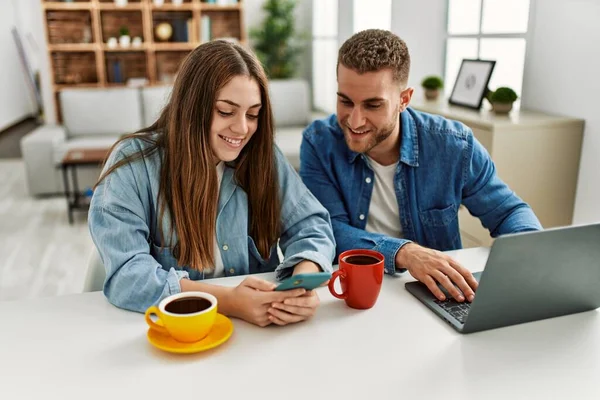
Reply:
x=294, y=309
x=300, y=308
x=252, y=298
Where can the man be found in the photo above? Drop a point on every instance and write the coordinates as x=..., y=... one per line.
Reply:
x=393, y=178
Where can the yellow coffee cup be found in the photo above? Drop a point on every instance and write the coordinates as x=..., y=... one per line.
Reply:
x=187, y=317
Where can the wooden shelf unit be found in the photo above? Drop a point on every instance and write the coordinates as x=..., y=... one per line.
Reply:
x=77, y=33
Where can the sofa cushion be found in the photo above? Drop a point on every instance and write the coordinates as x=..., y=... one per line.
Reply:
x=289, y=140
x=290, y=100
x=87, y=142
x=101, y=111
x=154, y=99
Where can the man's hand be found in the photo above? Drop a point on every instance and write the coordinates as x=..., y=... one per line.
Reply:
x=431, y=266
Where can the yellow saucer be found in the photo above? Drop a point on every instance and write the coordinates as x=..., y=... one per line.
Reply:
x=220, y=332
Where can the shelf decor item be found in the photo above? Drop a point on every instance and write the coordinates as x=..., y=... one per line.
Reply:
x=432, y=85
x=112, y=42
x=124, y=38
x=121, y=3
x=163, y=31
x=502, y=100
x=471, y=83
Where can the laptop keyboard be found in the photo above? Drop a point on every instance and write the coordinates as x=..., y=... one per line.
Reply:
x=456, y=309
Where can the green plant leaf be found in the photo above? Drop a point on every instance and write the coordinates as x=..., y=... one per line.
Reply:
x=276, y=42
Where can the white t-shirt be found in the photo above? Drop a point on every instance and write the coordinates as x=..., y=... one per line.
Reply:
x=219, y=269
x=384, y=215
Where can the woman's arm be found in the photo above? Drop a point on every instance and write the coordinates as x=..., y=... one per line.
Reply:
x=306, y=227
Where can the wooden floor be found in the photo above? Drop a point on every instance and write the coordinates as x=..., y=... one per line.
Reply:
x=40, y=253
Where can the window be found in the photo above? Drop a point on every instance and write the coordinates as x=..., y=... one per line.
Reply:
x=325, y=50
x=489, y=30
x=372, y=14
x=365, y=14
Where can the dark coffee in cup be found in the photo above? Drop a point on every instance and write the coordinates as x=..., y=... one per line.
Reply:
x=361, y=260
x=188, y=305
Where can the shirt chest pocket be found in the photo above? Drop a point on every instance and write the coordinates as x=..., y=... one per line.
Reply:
x=440, y=227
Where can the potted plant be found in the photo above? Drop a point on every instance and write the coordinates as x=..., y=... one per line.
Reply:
x=124, y=39
x=502, y=99
x=432, y=85
x=275, y=41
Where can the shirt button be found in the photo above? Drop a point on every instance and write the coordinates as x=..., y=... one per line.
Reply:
x=361, y=216
x=225, y=247
x=231, y=271
x=368, y=180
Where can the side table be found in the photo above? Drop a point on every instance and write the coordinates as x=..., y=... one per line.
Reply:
x=73, y=159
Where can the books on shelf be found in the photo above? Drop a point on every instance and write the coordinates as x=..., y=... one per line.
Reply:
x=205, y=29
x=221, y=2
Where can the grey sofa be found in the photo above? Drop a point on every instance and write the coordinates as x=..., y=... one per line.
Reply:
x=95, y=118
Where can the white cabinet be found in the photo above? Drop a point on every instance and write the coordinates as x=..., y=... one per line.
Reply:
x=536, y=154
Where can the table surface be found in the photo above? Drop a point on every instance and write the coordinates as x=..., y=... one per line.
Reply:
x=80, y=346
x=85, y=156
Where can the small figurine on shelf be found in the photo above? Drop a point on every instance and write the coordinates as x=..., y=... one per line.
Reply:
x=177, y=2
x=120, y=3
x=159, y=3
x=137, y=41
x=124, y=38
x=112, y=42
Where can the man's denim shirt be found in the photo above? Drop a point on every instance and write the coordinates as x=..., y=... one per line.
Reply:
x=123, y=224
x=441, y=166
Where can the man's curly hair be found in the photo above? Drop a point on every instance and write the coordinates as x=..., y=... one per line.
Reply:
x=372, y=50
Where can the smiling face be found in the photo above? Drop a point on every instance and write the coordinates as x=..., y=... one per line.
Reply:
x=235, y=117
x=368, y=108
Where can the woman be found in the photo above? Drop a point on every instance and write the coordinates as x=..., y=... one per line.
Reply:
x=203, y=193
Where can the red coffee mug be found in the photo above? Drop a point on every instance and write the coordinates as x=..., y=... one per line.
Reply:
x=361, y=275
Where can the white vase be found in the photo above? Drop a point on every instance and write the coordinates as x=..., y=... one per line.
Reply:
x=502, y=108
x=177, y=2
x=136, y=42
x=120, y=3
x=159, y=2
x=112, y=42
x=125, y=40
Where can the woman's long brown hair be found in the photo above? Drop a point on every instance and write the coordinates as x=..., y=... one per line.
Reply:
x=188, y=179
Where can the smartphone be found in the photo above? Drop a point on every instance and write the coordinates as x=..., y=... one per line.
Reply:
x=304, y=281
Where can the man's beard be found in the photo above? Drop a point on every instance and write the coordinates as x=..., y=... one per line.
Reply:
x=373, y=138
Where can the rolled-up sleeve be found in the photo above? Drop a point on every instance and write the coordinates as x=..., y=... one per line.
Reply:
x=119, y=225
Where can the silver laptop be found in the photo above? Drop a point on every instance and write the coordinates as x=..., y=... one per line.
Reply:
x=528, y=277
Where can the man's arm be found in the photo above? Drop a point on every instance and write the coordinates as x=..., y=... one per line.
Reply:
x=487, y=197
x=322, y=183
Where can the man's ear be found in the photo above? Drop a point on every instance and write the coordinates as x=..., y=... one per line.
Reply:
x=405, y=97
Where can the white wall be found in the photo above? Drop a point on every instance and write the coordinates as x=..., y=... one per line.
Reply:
x=422, y=25
x=561, y=77
x=15, y=98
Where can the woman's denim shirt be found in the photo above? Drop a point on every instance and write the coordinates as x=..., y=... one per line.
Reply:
x=123, y=224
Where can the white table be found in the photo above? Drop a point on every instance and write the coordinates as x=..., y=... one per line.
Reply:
x=80, y=346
